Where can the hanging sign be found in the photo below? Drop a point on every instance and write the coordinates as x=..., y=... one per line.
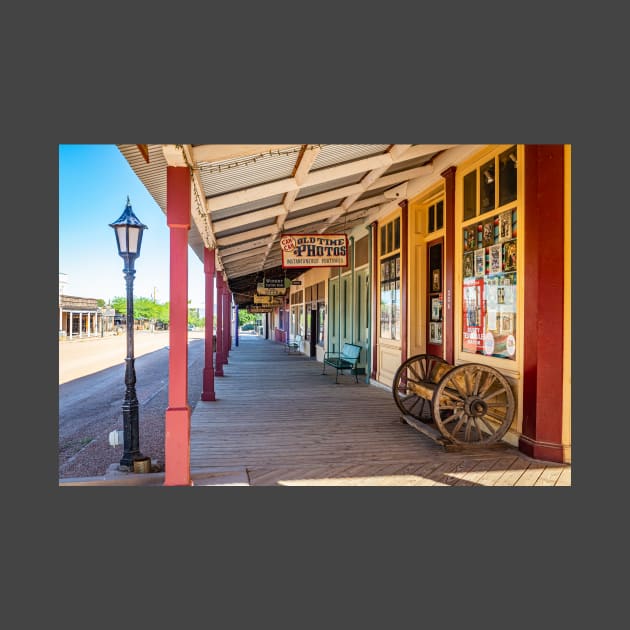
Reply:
x=262, y=290
x=314, y=250
x=273, y=283
x=270, y=300
x=259, y=309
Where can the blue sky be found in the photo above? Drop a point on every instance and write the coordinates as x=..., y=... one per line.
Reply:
x=94, y=182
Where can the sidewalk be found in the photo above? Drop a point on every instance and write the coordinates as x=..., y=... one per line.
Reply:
x=277, y=420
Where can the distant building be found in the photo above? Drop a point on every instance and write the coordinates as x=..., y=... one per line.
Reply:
x=83, y=317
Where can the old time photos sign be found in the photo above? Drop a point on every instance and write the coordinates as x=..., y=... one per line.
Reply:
x=314, y=250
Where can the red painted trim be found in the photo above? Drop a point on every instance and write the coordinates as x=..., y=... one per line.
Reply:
x=375, y=297
x=218, y=359
x=448, y=257
x=404, y=274
x=209, y=263
x=543, y=302
x=177, y=424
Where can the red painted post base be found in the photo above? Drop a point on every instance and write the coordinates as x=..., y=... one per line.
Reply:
x=545, y=451
x=208, y=384
x=177, y=447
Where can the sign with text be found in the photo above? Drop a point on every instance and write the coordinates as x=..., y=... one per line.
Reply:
x=314, y=250
x=262, y=290
x=259, y=309
x=269, y=300
x=273, y=283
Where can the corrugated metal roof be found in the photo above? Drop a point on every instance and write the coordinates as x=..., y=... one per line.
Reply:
x=246, y=227
x=219, y=178
x=244, y=208
x=250, y=235
x=407, y=164
x=335, y=154
x=331, y=185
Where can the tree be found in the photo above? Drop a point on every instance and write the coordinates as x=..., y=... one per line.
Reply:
x=245, y=317
x=144, y=308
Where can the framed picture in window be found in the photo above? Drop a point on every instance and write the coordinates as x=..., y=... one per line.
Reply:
x=509, y=255
x=494, y=259
x=436, y=283
x=435, y=332
x=436, y=309
x=469, y=267
x=480, y=262
x=505, y=226
x=488, y=233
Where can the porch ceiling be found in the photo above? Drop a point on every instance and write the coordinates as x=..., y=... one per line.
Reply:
x=244, y=196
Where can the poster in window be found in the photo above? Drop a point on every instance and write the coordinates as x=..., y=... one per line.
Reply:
x=470, y=238
x=505, y=226
x=509, y=255
x=435, y=280
x=506, y=323
x=480, y=263
x=488, y=233
x=494, y=259
x=469, y=268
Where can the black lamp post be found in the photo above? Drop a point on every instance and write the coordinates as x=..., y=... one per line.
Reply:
x=128, y=230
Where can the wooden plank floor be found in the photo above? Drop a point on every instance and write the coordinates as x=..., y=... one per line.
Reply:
x=284, y=423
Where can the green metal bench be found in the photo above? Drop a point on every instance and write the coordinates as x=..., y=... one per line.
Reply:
x=347, y=359
x=294, y=344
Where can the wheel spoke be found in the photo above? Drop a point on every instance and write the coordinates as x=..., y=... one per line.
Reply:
x=455, y=385
x=453, y=396
x=458, y=426
x=478, y=375
x=469, y=425
x=491, y=428
x=493, y=394
x=488, y=381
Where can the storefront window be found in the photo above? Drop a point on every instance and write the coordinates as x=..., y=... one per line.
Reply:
x=321, y=320
x=489, y=286
x=390, y=298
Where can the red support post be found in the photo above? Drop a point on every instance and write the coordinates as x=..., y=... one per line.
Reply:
x=177, y=424
x=218, y=360
x=449, y=266
x=226, y=323
x=541, y=436
x=208, y=392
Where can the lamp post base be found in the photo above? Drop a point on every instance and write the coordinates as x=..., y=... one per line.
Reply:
x=140, y=465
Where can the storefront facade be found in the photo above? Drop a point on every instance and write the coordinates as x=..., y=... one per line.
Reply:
x=474, y=268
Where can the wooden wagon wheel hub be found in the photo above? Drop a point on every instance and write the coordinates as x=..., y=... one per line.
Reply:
x=475, y=406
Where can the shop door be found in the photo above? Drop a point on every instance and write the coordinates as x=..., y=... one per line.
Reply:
x=435, y=299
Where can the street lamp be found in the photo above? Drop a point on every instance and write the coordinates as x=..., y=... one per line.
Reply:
x=128, y=230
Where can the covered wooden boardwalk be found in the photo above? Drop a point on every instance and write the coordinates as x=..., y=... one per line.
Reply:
x=277, y=420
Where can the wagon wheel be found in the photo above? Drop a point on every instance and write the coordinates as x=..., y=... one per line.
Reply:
x=473, y=404
x=414, y=370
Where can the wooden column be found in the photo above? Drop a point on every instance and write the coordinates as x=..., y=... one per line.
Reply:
x=543, y=302
x=448, y=334
x=207, y=392
x=177, y=431
x=404, y=275
x=376, y=331
x=227, y=307
x=218, y=359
